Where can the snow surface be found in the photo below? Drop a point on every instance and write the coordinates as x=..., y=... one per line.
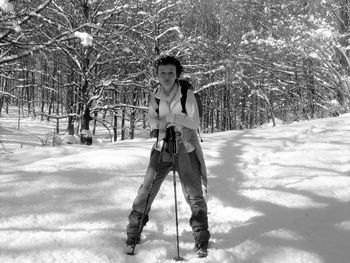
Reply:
x=276, y=195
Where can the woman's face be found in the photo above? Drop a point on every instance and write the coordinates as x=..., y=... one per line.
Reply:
x=167, y=76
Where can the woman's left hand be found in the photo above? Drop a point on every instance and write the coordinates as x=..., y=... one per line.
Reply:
x=185, y=134
x=171, y=118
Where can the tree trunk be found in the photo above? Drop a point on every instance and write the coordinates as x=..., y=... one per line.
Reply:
x=19, y=115
x=123, y=125
x=123, y=119
x=243, y=108
x=115, y=127
x=57, y=125
x=70, y=127
x=95, y=123
x=132, y=125
x=50, y=105
x=86, y=136
x=2, y=97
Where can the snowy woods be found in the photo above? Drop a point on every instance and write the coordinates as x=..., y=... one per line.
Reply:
x=85, y=68
x=92, y=62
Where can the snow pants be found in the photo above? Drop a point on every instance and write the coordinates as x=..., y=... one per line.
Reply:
x=188, y=167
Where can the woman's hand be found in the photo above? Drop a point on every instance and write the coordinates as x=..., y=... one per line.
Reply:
x=185, y=134
x=171, y=118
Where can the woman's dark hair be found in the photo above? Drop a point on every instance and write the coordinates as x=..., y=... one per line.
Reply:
x=170, y=60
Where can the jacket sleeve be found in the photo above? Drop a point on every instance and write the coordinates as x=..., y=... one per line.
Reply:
x=152, y=112
x=191, y=120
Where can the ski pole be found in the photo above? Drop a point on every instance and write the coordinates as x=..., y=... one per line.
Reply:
x=147, y=200
x=177, y=258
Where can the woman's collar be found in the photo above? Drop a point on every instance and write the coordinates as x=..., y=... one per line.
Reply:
x=175, y=92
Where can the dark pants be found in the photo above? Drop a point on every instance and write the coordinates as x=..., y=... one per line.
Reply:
x=188, y=167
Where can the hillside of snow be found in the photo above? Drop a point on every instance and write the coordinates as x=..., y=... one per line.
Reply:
x=276, y=195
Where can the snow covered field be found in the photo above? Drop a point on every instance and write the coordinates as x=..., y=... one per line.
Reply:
x=276, y=195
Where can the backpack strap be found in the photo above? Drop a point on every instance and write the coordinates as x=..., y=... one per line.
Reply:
x=157, y=101
x=184, y=90
x=183, y=99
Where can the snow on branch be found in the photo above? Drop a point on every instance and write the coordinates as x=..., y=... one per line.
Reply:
x=175, y=28
x=6, y=6
x=212, y=71
x=112, y=10
x=10, y=58
x=212, y=84
x=3, y=93
x=122, y=105
x=119, y=106
x=86, y=38
x=165, y=8
x=18, y=24
x=7, y=59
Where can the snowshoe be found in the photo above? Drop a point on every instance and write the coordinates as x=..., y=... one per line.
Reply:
x=133, y=239
x=130, y=250
x=201, y=250
x=131, y=243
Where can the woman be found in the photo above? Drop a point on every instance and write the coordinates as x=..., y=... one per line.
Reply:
x=166, y=113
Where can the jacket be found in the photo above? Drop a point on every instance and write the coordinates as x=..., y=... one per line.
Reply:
x=170, y=113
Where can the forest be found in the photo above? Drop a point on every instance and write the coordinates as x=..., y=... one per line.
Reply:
x=86, y=62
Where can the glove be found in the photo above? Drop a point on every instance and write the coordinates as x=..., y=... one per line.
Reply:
x=170, y=134
x=205, y=192
x=185, y=134
x=171, y=118
x=205, y=188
